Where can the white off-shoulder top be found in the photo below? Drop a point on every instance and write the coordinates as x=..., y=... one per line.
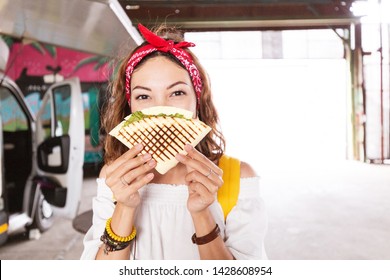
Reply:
x=164, y=225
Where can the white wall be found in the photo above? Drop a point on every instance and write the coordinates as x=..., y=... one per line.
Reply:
x=278, y=111
x=281, y=111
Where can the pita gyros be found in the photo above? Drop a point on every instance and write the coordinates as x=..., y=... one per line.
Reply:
x=163, y=131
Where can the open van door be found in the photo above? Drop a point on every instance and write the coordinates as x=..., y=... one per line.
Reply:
x=60, y=137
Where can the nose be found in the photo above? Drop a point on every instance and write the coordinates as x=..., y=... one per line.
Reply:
x=160, y=100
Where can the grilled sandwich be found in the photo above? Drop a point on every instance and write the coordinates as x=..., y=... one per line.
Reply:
x=163, y=131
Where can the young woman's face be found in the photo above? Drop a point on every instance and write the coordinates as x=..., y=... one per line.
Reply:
x=161, y=82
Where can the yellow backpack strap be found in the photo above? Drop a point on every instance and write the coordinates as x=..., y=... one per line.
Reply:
x=228, y=193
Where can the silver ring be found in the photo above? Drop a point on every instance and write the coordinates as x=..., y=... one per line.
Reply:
x=124, y=182
x=210, y=171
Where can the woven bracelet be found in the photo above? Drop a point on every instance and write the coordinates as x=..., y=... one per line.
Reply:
x=112, y=245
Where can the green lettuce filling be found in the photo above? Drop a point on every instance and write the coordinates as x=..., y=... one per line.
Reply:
x=137, y=116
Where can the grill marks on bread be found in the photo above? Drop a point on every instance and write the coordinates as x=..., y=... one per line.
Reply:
x=163, y=131
x=163, y=137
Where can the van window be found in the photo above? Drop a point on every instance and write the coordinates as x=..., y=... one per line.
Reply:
x=55, y=115
x=46, y=121
x=12, y=115
x=62, y=109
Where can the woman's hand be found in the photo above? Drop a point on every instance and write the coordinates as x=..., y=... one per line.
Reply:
x=204, y=179
x=127, y=174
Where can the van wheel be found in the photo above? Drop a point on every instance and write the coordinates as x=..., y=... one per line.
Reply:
x=43, y=217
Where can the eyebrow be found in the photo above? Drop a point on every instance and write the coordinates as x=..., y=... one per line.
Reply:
x=177, y=83
x=141, y=87
x=169, y=87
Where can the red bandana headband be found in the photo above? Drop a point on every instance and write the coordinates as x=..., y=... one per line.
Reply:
x=157, y=43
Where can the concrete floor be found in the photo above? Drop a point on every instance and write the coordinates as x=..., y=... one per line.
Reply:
x=332, y=211
x=328, y=211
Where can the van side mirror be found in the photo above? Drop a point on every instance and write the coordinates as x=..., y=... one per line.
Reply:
x=53, y=154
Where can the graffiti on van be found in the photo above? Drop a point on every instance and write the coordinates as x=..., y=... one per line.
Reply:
x=12, y=117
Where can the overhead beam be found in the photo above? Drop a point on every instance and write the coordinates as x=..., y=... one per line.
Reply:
x=263, y=24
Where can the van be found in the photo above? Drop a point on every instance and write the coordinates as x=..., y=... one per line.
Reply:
x=41, y=156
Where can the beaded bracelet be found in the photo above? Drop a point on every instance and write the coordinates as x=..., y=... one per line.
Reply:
x=115, y=242
x=118, y=238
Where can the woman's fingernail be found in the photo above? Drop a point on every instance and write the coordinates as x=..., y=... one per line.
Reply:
x=139, y=146
x=188, y=147
x=146, y=157
x=152, y=163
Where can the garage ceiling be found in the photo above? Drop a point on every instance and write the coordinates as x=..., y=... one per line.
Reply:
x=240, y=14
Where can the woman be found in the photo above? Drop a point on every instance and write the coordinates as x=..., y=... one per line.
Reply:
x=141, y=214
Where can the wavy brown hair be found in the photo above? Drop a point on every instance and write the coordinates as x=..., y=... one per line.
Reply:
x=116, y=108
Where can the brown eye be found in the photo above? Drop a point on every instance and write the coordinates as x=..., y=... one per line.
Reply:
x=141, y=97
x=178, y=93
